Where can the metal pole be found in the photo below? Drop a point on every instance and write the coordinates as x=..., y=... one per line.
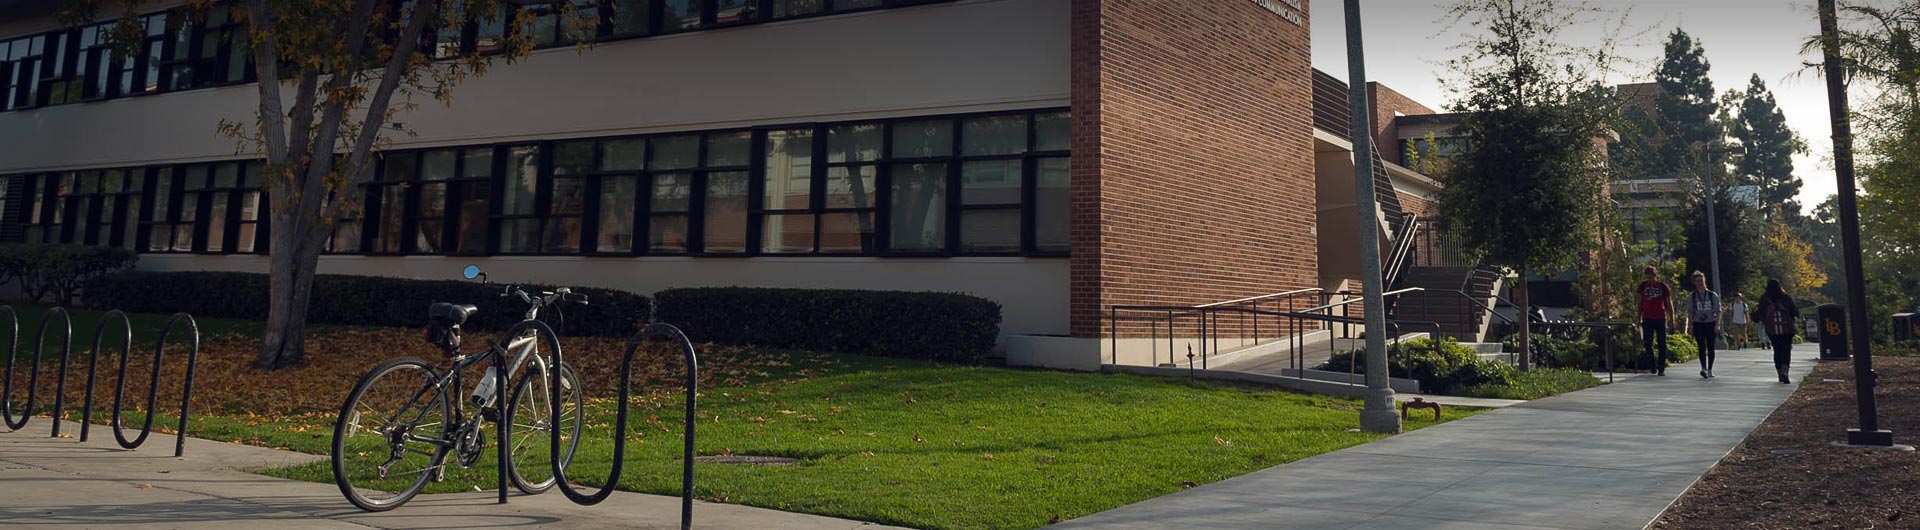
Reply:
x=1713, y=220
x=1377, y=415
x=1869, y=432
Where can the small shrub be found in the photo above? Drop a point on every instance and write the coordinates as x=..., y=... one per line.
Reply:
x=1439, y=367
x=1533, y=385
x=360, y=300
x=931, y=326
x=58, y=271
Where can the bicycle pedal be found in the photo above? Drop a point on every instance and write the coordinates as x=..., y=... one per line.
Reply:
x=490, y=414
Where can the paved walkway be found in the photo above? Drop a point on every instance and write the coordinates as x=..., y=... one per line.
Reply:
x=60, y=483
x=1612, y=457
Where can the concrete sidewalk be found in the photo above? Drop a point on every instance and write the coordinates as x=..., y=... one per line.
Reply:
x=62, y=483
x=1612, y=457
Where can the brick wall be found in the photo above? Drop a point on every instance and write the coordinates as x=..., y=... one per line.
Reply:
x=1386, y=134
x=1414, y=204
x=1192, y=157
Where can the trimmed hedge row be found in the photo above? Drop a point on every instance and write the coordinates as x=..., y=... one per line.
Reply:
x=357, y=300
x=931, y=326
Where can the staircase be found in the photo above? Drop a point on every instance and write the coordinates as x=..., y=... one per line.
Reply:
x=1441, y=301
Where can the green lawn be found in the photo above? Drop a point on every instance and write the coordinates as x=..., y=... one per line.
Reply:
x=926, y=446
x=146, y=328
x=890, y=441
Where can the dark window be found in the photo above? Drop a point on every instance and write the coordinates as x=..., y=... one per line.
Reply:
x=797, y=8
x=473, y=197
x=990, y=183
x=24, y=59
x=921, y=151
x=386, y=206
x=679, y=15
x=120, y=215
x=735, y=11
x=725, y=184
x=628, y=17
x=617, y=188
x=162, y=224
x=438, y=169
x=518, y=223
x=147, y=74
x=670, y=197
x=566, y=197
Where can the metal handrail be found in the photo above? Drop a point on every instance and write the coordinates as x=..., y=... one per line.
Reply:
x=1402, y=250
x=1263, y=297
x=1344, y=303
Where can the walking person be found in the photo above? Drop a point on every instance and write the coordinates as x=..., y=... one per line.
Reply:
x=1656, y=305
x=1739, y=328
x=1776, y=313
x=1703, y=315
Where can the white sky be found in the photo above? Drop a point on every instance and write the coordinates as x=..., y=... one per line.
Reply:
x=1404, y=49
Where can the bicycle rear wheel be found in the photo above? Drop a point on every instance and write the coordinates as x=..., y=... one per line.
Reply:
x=532, y=422
x=391, y=437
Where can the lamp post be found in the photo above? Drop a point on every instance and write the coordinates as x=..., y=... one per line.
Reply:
x=1377, y=414
x=1713, y=218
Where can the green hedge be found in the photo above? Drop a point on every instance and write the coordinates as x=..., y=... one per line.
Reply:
x=1442, y=367
x=1579, y=350
x=932, y=326
x=1534, y=385
x=357, y=300
x=58, y=271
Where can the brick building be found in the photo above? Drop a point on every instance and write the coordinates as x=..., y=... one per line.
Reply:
x=1061, y=157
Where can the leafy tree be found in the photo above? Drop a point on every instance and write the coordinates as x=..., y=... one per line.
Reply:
x=1770, y=144
x=1741, y=236
x=1527, y=194
x=332, y=71
x=1686, y=106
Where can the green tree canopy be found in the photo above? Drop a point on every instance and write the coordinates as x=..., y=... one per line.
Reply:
x=1771, y=145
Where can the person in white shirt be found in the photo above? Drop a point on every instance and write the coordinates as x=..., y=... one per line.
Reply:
x=1738, y=327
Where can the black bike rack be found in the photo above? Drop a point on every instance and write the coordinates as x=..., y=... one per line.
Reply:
x=93, y=362
x=650, y=332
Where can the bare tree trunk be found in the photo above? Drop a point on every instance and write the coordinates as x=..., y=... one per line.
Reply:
x=1526, y=322
x=294, y=261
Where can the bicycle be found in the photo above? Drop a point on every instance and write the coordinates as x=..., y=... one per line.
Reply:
x=401, y=424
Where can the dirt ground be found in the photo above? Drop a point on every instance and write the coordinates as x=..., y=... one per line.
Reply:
x=1789, y=475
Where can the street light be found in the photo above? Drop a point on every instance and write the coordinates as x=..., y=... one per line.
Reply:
x=1713, y=222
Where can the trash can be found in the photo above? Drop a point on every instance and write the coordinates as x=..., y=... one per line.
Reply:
x=1903, y=327
x=1833, y=332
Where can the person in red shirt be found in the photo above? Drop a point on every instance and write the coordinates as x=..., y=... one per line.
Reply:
x=1656, y=304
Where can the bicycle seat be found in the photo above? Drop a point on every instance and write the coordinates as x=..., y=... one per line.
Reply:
x=447, y=315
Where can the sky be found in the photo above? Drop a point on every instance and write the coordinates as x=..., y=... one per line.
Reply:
x=1407, y=40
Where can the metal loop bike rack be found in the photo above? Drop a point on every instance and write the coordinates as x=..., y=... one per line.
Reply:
x=119, y=387
x=13, y=360
x=650, y=332
x=93, y=365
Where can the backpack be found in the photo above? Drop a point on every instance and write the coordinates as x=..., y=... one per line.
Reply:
x=1777, y=320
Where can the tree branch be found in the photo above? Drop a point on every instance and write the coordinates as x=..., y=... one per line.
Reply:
x=266, y=66
x=408, y=43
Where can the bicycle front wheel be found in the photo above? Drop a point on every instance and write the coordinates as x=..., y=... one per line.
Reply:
x=532, y=420
x=392, y=435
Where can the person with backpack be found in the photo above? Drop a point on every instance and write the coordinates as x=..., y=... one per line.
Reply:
x=1739, y=327
x=1704, y=313
x=1656, y=304
x=1776, y=313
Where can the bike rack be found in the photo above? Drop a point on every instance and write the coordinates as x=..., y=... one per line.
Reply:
x=93, y=362
x=650, y=332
